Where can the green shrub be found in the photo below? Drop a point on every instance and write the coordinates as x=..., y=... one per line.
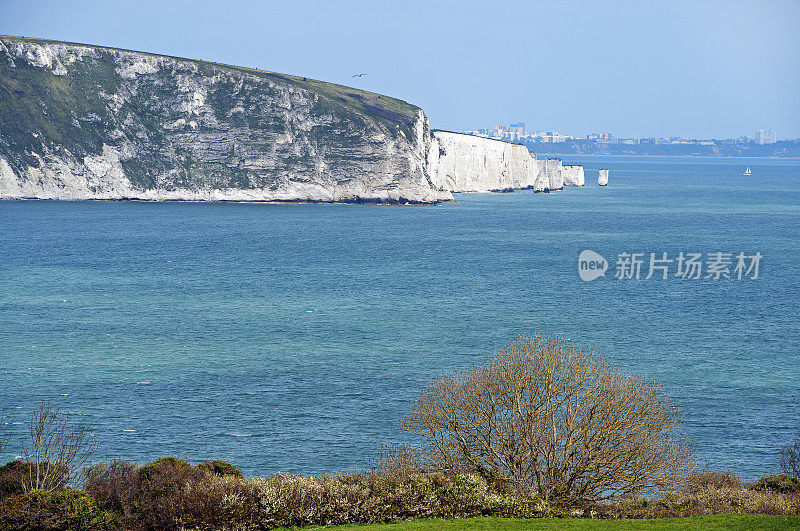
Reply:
x=220, y=468
x=777, y=483
x=157, y=495
x=11, y=479
x=166, y=476
x=705, y=479
x=111, y=484
x=521, y=507
x=467, y=495
x=15, y=474
x=67, y=509
x=163, y=466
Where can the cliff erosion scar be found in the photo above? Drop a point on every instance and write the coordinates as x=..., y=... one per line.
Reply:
x=88, y=122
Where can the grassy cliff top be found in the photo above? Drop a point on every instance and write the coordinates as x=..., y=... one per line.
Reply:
x=385, y=108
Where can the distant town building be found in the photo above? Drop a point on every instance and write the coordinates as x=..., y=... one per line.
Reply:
x=605, y=142
x=766, y=137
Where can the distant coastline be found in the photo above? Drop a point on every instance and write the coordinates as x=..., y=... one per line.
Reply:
x=692, y=156
x=784, y=149
x=762, y=144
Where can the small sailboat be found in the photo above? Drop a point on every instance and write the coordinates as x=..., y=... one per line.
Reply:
x=747, y=171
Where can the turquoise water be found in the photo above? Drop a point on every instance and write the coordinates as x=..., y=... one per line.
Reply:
x=293, y=337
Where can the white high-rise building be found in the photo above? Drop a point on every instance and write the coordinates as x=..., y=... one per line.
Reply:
x=766, y=137
x=772, y=137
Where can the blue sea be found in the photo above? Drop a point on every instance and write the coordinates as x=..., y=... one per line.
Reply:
x=289, y=337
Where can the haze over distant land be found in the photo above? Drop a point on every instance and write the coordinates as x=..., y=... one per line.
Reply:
x=634, y=69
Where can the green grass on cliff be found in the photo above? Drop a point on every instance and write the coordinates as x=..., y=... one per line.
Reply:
x=44, y=114
x=396, y=114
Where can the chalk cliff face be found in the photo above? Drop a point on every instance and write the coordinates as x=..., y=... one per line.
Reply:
x=86, y=122
x=466, y=163
x=553, y=168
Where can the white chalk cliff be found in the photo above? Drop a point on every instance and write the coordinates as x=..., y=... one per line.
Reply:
x=88, y=122
x=573, y=175
x=466, y=163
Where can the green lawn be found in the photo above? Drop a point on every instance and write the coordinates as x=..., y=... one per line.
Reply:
x=725, y=521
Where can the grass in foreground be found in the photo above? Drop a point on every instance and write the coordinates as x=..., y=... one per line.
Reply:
x=722, y=521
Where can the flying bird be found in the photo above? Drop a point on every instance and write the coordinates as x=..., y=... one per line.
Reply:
x=359, y=75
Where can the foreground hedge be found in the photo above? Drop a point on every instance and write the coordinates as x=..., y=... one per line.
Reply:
x=171, y=494
x=68, y=510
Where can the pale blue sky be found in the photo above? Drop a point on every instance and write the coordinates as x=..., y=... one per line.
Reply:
x=633, y=68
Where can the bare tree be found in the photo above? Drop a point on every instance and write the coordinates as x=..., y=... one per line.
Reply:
x=790, y=459
x=55, y=451
x=552, y=419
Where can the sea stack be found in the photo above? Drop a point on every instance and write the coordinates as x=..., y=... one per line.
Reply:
x=573, y=175
x=602, y=179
